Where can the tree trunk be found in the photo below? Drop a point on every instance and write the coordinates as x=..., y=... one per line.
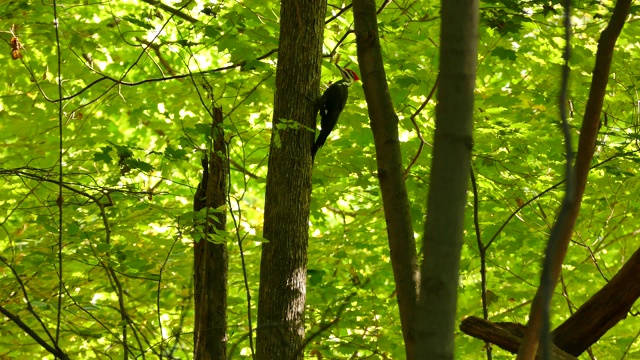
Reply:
x=283, y=267
x=384, y=124
x=436, y=312
x=210, y=259
x=586, y=148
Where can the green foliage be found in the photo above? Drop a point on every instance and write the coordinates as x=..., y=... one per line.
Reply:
x=139, y=85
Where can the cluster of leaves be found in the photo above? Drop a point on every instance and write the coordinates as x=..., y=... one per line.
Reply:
x=139, y=80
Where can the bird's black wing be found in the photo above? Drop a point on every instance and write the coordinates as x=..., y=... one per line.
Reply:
x=332, y=103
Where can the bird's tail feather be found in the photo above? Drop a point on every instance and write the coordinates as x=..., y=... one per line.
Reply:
x=318, y=144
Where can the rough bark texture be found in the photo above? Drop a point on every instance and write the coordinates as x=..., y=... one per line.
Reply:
x=384, y=124
x=436, y=312
x=507, y=336
x=586, y=148
x=581, y=330
x=602, y=311
x=283, y=267
x=211, y=260
x=585, y=327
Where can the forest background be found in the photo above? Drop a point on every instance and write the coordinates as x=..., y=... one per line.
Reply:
x=106, y=270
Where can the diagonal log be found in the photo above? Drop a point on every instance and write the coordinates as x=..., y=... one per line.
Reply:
x=507, y=336
x=582, y=329
x=602, y=311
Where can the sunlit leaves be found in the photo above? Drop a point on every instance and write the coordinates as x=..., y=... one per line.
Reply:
x=132, y=166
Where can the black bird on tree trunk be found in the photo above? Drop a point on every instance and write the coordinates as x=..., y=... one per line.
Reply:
x=331, y=104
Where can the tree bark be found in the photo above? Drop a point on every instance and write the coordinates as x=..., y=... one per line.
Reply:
x=283, y=267
x=211, y=259
x=507, y=336
x=586, y=148
x=436, y=312
x=602, y=311
x=585, y=327
x=384, y=124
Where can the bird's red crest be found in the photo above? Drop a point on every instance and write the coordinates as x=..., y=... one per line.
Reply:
x=355, y=76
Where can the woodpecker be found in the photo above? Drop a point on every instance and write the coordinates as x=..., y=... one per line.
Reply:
x=331, y=105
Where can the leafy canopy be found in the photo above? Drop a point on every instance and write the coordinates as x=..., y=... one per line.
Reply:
x=138, y=83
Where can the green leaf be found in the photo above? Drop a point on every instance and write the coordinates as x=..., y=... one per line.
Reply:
x=103, y=155
x=504, y=54
x=139, y=165
x=136, y=264
x=73, y=228
x=103, y=248
x=175, y=153
x=315, y=276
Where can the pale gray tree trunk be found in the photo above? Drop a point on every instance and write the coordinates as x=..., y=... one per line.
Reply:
x=436, y=313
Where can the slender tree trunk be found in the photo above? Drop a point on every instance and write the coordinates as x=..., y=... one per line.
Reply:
x=211, y=260
x=283, y=267
x=436, y=317
x=384, y=123
x=586, y=148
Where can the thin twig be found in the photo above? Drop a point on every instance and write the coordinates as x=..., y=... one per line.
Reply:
x=25, y=294
x=159, y=289
x=60, y=200
x=324, y=327
x=152, y=80
x=337, y=15
x=483, y=254
x=172, y=11
x=34, y=335
x=415, y=125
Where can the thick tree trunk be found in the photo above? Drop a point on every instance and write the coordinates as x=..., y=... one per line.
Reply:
x=283, y=268
x=436, y=313
x=211, y=260
x=384, y=124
